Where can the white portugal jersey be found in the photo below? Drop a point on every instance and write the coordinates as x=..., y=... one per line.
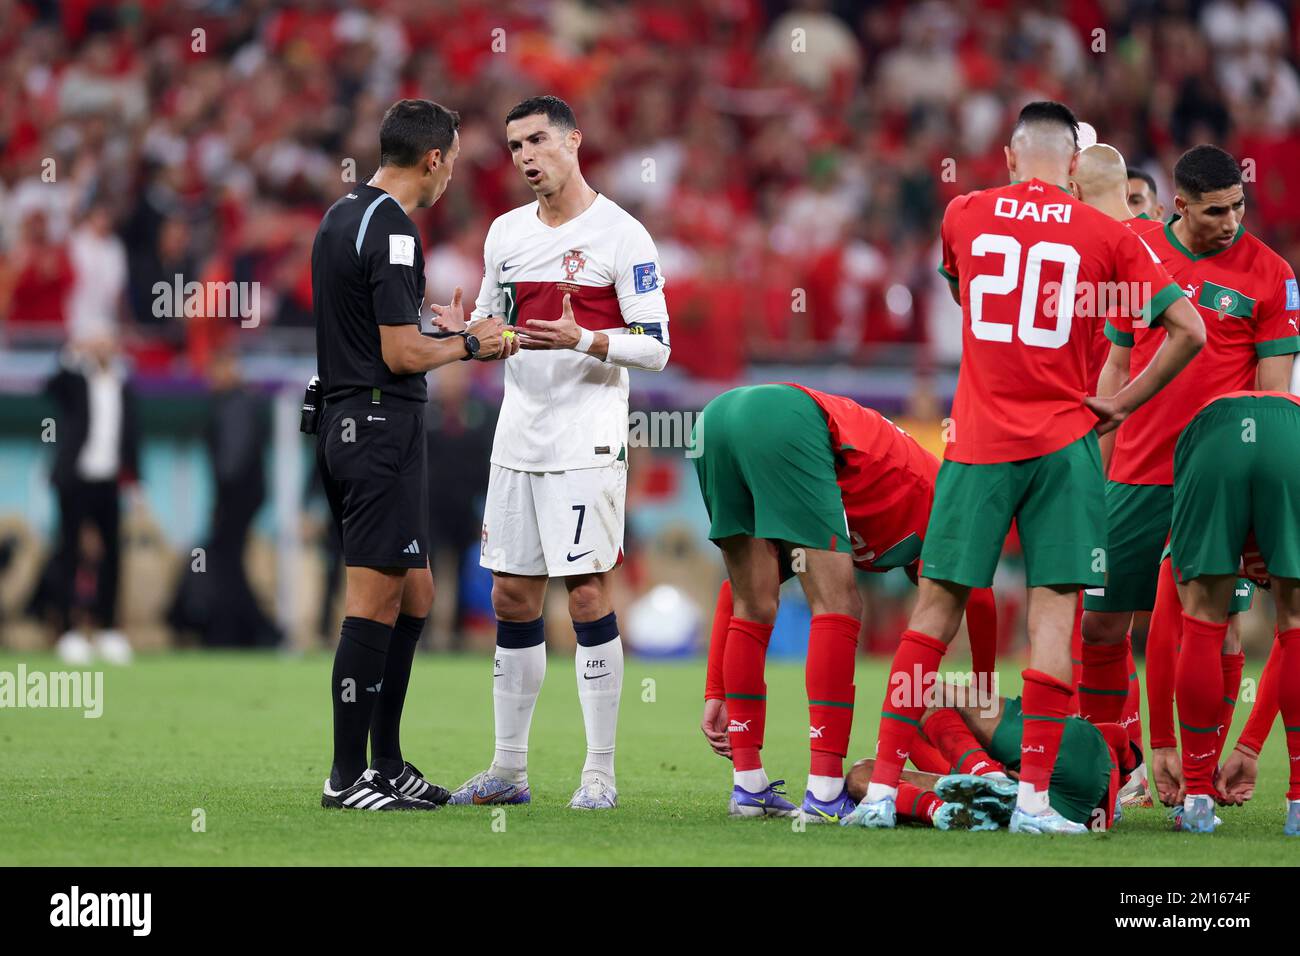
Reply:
x=563, y=409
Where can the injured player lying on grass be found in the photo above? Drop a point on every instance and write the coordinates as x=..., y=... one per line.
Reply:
x=982, y=749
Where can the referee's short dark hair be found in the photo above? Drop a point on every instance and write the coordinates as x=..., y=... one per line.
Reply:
x=411, y=128
x=558, y=112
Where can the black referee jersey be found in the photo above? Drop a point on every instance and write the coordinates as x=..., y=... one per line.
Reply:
x=367, y=270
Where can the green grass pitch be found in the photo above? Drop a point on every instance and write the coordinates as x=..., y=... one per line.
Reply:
x=245, y=739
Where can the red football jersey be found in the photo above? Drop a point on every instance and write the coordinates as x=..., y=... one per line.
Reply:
x=886, y=478
x=1037, y=272
x=1248, y=298
x=1118, y=327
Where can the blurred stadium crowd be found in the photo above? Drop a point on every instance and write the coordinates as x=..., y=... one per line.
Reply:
x=819, y=162
x=791, y=159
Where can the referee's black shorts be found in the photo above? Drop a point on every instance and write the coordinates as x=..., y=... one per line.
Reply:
x=373, y=465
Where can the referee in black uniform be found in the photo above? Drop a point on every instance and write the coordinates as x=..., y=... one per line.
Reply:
x=367, y=269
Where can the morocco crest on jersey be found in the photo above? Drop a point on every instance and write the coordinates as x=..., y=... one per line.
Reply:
x=573, y=263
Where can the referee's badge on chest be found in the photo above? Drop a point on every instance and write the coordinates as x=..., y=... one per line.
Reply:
x=401, y=250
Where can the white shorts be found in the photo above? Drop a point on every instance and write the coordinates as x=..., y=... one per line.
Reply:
x=556, y=523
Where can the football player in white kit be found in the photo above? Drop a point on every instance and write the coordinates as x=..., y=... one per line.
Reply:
x=559, y=458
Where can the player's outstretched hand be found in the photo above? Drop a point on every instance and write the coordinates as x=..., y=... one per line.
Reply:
x=1236, y=783
x=450, y=318
x=494, y=340
x=561, y=333
x=1108, y=413
x=1167, y=776
x=714, y=726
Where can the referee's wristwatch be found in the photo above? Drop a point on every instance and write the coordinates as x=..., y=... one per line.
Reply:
x=471, y=345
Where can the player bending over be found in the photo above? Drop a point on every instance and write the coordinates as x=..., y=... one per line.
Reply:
x=1236, y=469
x=798, y=482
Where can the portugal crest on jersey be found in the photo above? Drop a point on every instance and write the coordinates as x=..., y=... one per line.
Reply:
x=573, y=263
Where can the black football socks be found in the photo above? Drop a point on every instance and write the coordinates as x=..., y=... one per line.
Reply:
x=385, y=723
x=355, y=689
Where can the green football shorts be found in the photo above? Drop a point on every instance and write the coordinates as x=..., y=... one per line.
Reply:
x=1137, y=526
x=766, y=468
x=1081, y=778
x=1058, y=501
x=1237, y=468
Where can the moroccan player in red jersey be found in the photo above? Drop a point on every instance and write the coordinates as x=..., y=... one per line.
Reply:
x=1023, y=439
x=800, y=482
x=1103, y=181
x=1248, y=298
x=1236, y=471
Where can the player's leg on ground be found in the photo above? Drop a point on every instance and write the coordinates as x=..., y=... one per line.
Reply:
x=830, y=584
x=385, y=724
x=917, y=801
x=962, y=734
x=1047, y=695
x=599, y=672
x=1198, y=679
x=370, y=609
x=755, y=573
x=519, y=669
x=933, y=625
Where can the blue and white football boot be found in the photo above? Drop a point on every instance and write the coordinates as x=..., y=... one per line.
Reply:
x=1198, y=815
x=879, y=815
x=769, y=802
x=995, y=797
x=1292, y=827
x=1048, y=822
x=489, y=788
x=826, y=811
x=596, y=793
x=961, y=816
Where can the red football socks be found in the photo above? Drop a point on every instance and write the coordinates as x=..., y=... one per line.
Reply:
x=1163, y=637
x=1232, y=665
x=714, y=688
x=1047, y=704
x=742, y=671
x=916, y=805
x=914, y=669
x=1264, y=711
x=1103, y=689
x=1076, y=652
x=1288, y=698
x=832, y=645
x=957, y=744
x=928, y=758
x=1132, y=718
x=1198, y=688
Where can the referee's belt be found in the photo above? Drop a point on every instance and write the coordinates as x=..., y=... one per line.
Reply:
x=368, y=396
